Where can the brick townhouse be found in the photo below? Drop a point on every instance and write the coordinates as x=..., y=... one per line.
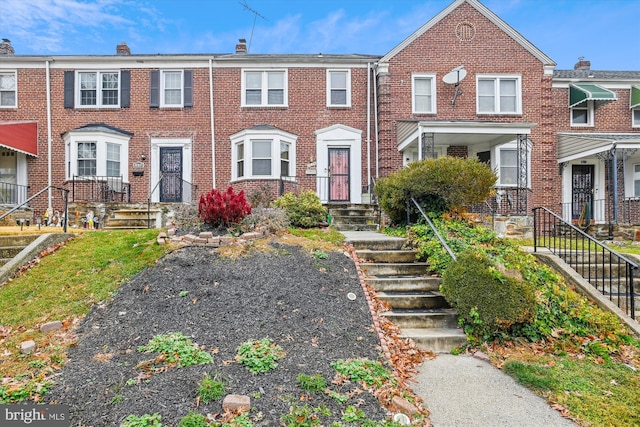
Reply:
x=134, y=127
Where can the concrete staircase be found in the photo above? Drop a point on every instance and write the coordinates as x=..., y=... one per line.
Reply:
x=417, y=306
x=352, y=217
x=10, y=246
x=132, y=218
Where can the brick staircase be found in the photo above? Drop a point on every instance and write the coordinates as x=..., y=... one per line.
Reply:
x=10, y=246
x=353, y=217
x=417, y=306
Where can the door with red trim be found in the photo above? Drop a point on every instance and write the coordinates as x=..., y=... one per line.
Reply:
x=339, y=174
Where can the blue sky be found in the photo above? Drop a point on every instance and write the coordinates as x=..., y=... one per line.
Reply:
x=605, y=32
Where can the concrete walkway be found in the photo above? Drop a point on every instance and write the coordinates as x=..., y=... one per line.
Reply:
x=465, y=391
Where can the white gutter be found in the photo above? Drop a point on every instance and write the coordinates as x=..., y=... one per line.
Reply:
x=213, y=134
x=49, y=180
x=369, y=128
x=375, y=114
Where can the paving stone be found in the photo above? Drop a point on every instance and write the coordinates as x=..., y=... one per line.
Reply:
x=236, y=402
x=28, y=347
x=251, y=236
x=51, y=326
x=206, y=235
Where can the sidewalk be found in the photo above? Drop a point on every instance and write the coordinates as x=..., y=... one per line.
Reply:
x=463, y=391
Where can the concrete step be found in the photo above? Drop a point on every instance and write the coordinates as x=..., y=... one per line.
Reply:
x=404, y=283
x=413, y=300
x=135, y=213
x=10, y=251
x=387, y=255
x=593, y=270
x=353, y=219
x=356, y=227
x=18, y=239
x=426, y=318
x=347, y=212
x=128, y=222
x=125, y=227
x=395, y=269
x=375, y=241
x=438, y=340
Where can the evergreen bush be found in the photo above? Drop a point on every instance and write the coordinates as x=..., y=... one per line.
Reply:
x=304, y=210
x=223, y=208
x=438, y=185
x=488, y=298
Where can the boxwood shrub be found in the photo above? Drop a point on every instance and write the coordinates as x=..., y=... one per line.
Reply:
x=304, y=210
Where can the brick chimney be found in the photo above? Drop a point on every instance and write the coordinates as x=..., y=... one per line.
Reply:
x=123, y=49
x=241, y=47
x=6, y=48
x=582, y=64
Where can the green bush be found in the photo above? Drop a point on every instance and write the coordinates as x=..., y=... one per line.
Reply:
x=304, y=210
x=438, y=185
x=489, y=299
x=193, y=419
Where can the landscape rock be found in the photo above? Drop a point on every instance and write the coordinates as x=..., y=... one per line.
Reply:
x=51, y=326
x=404, y=406
x=28, y=346
x=206, y=235
x=481, y=356
x=236, y=403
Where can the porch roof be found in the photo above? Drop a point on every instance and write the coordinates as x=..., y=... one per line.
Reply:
x=20, y=136
x=573, y=146
x=466, y=133
x=579, y=93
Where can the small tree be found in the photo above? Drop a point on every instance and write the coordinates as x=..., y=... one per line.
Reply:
x=223, y=208
x=304, y=210
x=439, y=185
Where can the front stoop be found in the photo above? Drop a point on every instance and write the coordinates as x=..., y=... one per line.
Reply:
x=353, y=217
x=417, y=306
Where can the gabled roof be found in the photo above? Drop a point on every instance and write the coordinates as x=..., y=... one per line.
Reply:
x=484, y=11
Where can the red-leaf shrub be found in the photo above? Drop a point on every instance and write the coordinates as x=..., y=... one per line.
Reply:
x=223, y=208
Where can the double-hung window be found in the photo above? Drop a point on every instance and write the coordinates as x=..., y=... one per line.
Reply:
x=87, y=158
x=636, y=180
x=96, y=154
x=506, y=163
x=582, y=114
x=98, y=89
x=338, y=88
x=8, y=92
x=264, y=88
x=508, y=166
x=171, y=94
x=424, y=93
x=636, y=117
x=263, y=153
x=499, y=95
x=113, y=159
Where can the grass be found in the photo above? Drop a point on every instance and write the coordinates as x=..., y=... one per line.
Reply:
x=63, y=286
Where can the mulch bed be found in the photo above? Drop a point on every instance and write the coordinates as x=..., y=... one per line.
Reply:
x=287, y=295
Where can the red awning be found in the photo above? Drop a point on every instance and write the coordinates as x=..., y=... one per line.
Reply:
x=20, y=136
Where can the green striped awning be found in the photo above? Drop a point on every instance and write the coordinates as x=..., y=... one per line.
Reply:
x=635, y=96
x=579, y=93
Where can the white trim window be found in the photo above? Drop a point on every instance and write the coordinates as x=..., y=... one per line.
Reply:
x=499, y=94
x=635, y=116
x=90, y=154
x=506, y=164
x=423, y=89
x=171, y=93
x=98, y=89
x=582, y=114
x=636, y=180
x=8, y=89
x=261, y=153
x=339, y=88
x=264, y=88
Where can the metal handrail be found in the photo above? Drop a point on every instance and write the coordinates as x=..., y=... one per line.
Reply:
x=66, y=204
x=435, y=231
x=193, y=189
x=610, y=272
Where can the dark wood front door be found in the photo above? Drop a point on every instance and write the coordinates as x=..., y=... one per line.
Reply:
x=171, y=174
x=582, y=191
x=338, y=174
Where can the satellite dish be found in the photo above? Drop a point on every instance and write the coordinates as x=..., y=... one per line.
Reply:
x=455, y=76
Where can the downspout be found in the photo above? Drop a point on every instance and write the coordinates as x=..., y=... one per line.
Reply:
x=375, y=116
x=213, y=135
x=49, y=142
x=369, y=130
x=614, y=171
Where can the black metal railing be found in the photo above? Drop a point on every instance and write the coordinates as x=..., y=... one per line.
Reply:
x=102, y=189
x=433, y=228
x=630, y=210
x=23, y=205
x=609, y=272
x=189, y=194
x=13, y=194
x=504, y=201
x=299, y=183
x=601, y=211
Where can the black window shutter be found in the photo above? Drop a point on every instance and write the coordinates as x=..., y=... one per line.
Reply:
x=154, y=96
x=188, y=88
x=125, y=88
x=68, y=89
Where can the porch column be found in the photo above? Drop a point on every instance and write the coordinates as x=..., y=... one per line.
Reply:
x=522, y=174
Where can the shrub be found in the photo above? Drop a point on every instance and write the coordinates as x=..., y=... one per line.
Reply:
x=489, y=299
x=304, y=210
x=210, y=389
x=312, y=383
x=439, y=185
x=259, y=355
x=146, y=420
x=223, y=208
x=178, y=349
x=193, y=419
x=274, y=219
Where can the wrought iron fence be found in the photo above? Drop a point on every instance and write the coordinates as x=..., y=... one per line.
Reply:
x=103, y=189
x=299, y=183
x=630, y=211
x=601, y=211
x=13, y=194
x=609, y=272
